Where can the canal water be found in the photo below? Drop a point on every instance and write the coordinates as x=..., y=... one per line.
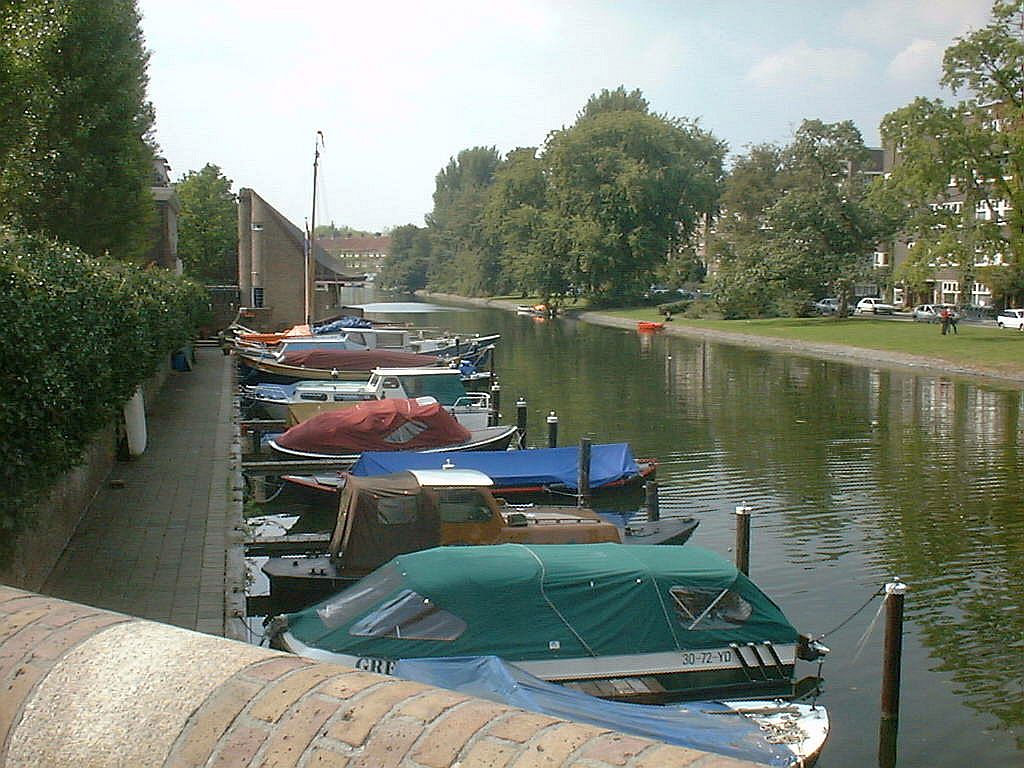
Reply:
x=855, y=474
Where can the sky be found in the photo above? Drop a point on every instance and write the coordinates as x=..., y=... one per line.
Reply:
x=399, y=88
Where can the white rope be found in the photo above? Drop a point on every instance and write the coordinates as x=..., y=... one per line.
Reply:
x=867, y=632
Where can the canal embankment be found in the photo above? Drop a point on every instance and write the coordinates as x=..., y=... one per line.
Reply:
x=84, y=686
x=828, y=351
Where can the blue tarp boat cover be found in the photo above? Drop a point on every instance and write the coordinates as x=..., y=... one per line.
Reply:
x=534, y=467
x=689, y=724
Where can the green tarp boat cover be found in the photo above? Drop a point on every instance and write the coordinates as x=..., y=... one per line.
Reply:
x=528, y=602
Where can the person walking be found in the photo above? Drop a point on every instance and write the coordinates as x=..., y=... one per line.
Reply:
x=944, y=319
x=952, y=321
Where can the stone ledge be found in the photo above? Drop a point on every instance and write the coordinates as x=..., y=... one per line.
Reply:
x=114, y=691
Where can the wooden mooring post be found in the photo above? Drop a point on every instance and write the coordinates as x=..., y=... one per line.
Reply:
x=552, y=430
x=583, y=473
x=743, y=539
x=521, y=414
x=651, y=502
x=892, y=656
x=495, y=403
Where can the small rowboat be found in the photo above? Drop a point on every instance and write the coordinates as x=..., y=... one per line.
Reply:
x=648, y=326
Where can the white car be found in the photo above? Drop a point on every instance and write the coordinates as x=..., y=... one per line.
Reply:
x=873, y=306
x=1011, y=318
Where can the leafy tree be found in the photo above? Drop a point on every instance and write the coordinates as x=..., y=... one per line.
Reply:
x=461, y=260
x=329, y=230
x=956, y=163
x=619, y=100
x=628, y=187
x=78, y=163
x=405, y=268
x=514, y=223
x=208, y=226
x=797, y=221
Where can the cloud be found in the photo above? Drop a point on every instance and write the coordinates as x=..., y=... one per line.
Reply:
x=921, y=60
x=891, y=24
x=801, y=67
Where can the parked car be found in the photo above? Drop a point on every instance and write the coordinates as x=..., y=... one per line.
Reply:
x=872, y=305
x=827, y=306
x=932, y=313
x=1011, y=318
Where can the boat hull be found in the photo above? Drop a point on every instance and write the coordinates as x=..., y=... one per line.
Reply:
x=489, y=439
x=740, y=672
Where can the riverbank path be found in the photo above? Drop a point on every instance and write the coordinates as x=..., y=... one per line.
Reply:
x=157, y=541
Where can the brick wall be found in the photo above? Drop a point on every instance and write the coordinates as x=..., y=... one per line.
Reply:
x=82, y=686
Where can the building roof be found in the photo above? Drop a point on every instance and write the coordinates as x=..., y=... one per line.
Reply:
x=372, y=244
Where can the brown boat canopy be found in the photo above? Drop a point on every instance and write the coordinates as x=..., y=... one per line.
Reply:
x=377, y=425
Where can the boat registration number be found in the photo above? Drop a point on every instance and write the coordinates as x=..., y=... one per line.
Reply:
x=370, y=664
x=705, y=658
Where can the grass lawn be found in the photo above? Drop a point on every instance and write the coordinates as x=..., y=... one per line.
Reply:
x=983, y=346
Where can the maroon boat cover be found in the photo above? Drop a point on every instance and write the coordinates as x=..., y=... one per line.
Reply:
x=356, y=359
x=377, y=425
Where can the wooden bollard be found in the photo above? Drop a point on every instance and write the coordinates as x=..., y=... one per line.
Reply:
x=552, y=430
x=651, y=503
x=892, y=656
x=583, y=473
x=743, y=539
x=521, y=414
x=495, y=404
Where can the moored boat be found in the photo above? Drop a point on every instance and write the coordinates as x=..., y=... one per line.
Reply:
x=648, y=326
x=327, y=364
x=381, y=516
x=419, y=424
x=303, y=400
x=643, y=623
x=533, y=472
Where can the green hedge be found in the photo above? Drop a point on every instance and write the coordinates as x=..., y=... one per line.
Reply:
x=78, y=335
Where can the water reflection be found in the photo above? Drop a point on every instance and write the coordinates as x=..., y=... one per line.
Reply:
x=855, y=473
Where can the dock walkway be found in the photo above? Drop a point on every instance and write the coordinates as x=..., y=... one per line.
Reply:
x=159, y=541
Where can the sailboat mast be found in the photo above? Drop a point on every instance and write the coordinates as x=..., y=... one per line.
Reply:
x=311, y=240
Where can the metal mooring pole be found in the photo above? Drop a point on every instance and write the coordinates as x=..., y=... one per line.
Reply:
x=552, y=430
x=743, y=539
x=583, y=473
x=495, y=403
x=891, y=660
x=521, y=420
x=651, y=500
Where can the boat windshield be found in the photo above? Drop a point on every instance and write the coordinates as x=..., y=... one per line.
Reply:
x=409, y=616
x=359, y=598
x=445, y=388
x=463, y=505
x=710, y=609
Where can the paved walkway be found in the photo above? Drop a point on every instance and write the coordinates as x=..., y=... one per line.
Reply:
x=155, y=542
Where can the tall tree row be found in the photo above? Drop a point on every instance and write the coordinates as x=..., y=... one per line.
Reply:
x=595, y=210
x=957, y=184
x=75, y=145
x=798, y=222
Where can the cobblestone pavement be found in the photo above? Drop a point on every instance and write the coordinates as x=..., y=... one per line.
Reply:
x=154, y=542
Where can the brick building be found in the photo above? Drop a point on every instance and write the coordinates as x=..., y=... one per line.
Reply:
x=272, y=277
x=357, y=256
x=164, y=251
